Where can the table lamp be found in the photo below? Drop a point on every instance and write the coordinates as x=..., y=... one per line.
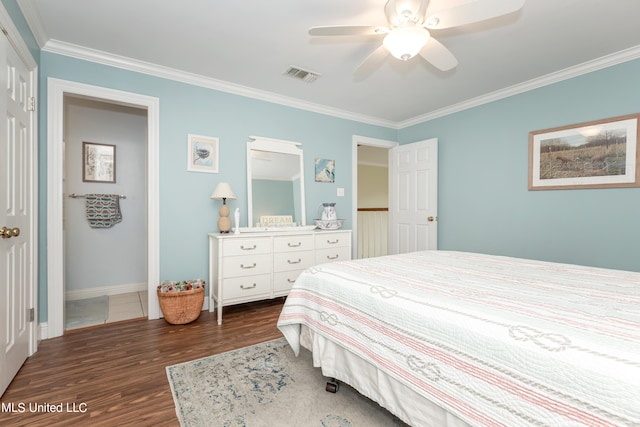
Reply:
x=223, y=192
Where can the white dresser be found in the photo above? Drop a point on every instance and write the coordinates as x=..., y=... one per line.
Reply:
x=255, y=266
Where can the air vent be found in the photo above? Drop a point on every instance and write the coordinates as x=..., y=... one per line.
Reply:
x=299, y=73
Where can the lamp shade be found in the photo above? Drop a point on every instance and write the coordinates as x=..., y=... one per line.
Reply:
x=406, y=42
x=223, y=191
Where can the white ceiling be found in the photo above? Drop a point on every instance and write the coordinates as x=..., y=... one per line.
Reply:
x=245, y=47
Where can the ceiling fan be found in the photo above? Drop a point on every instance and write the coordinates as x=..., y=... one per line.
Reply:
x=407, y=34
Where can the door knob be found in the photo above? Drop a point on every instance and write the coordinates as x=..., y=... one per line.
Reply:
x=432, y=218
x=7, y=233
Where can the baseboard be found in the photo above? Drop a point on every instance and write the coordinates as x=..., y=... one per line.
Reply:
x=105, y=290
x=43, y=331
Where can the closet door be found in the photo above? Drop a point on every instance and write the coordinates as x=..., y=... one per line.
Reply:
x=16, y=216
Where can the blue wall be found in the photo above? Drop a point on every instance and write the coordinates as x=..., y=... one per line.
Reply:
x=483, y=201
x=187, y=212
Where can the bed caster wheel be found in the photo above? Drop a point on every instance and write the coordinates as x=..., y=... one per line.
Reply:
x=332, y=386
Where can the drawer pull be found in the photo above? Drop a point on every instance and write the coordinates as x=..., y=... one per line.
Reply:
x=291, y=280
x=247, y=248
x=333, y=242
x=246, y=267
x=248, y=287
x=294, y=262
x=333, y=257
x=294, y=245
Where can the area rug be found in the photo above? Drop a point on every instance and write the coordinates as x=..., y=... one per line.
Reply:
x=266, y=385
x=85, y=312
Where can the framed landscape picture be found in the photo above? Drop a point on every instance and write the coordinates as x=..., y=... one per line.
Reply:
x=598, y=154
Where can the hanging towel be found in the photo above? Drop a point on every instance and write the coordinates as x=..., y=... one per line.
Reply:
x=103, y=210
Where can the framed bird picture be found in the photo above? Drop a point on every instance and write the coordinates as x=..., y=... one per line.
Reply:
x=203, y=154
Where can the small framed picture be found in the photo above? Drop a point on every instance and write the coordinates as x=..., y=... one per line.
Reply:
x=99, y=162
x=325, y=170
x=203, y=154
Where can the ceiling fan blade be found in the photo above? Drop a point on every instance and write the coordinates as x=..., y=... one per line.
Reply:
x=347, y=30
x=438, y=55
x=468, y=13
x=371, y=62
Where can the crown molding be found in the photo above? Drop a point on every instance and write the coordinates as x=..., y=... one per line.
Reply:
x=30, y=13
x=568, y=73
x=104, y=58
x=92, y=55
x=16, y=40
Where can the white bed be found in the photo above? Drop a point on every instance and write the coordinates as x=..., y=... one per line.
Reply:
x=452, y=338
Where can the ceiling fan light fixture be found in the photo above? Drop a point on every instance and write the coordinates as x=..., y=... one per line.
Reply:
x=404, y=12
x=432, y=22
x=406, y=42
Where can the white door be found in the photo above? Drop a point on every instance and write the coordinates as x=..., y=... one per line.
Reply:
x=413, y=197
x=16, y=220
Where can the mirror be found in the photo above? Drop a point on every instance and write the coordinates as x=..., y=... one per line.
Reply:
x=275, y=183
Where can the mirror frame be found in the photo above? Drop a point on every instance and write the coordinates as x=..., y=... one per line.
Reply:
x=276, y=146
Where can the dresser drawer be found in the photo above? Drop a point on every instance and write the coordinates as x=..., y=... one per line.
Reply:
x=284, y=280
x=332, y=240
x=249, y=265
x=342, y=253
x=248, y=287
x=292, y=243
x=246, y=246
x=292, y=260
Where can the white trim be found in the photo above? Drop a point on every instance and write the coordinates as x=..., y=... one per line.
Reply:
x=43, y=331
x=92, y=55
x=566, y=74
x=34, y=192
x=281, y=142
x=16, y=39
x=355, y=141
x=105, y=58
x=105, y=290
x=30, y=13
x=55, y=157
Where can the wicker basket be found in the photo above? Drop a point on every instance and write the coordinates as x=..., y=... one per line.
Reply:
x=181, y=307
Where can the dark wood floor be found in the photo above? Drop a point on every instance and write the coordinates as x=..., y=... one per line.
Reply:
x=116, y=372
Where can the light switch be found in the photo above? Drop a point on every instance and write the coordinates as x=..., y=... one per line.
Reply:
x=340, y=192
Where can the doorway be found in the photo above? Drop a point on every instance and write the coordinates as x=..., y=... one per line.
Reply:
x=362, y=148
x=413, y=194
x=373, y=201
x=57, y=91
x=105, y=260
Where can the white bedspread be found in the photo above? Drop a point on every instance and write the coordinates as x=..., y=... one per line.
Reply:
x=493, y=340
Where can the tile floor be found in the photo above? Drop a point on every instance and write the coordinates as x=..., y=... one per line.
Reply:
x=125, y=306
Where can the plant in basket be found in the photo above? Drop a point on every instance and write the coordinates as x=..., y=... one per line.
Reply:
x=181, y=302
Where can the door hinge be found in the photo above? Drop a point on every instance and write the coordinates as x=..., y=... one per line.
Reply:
x=32, y=315
x=32, y=104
